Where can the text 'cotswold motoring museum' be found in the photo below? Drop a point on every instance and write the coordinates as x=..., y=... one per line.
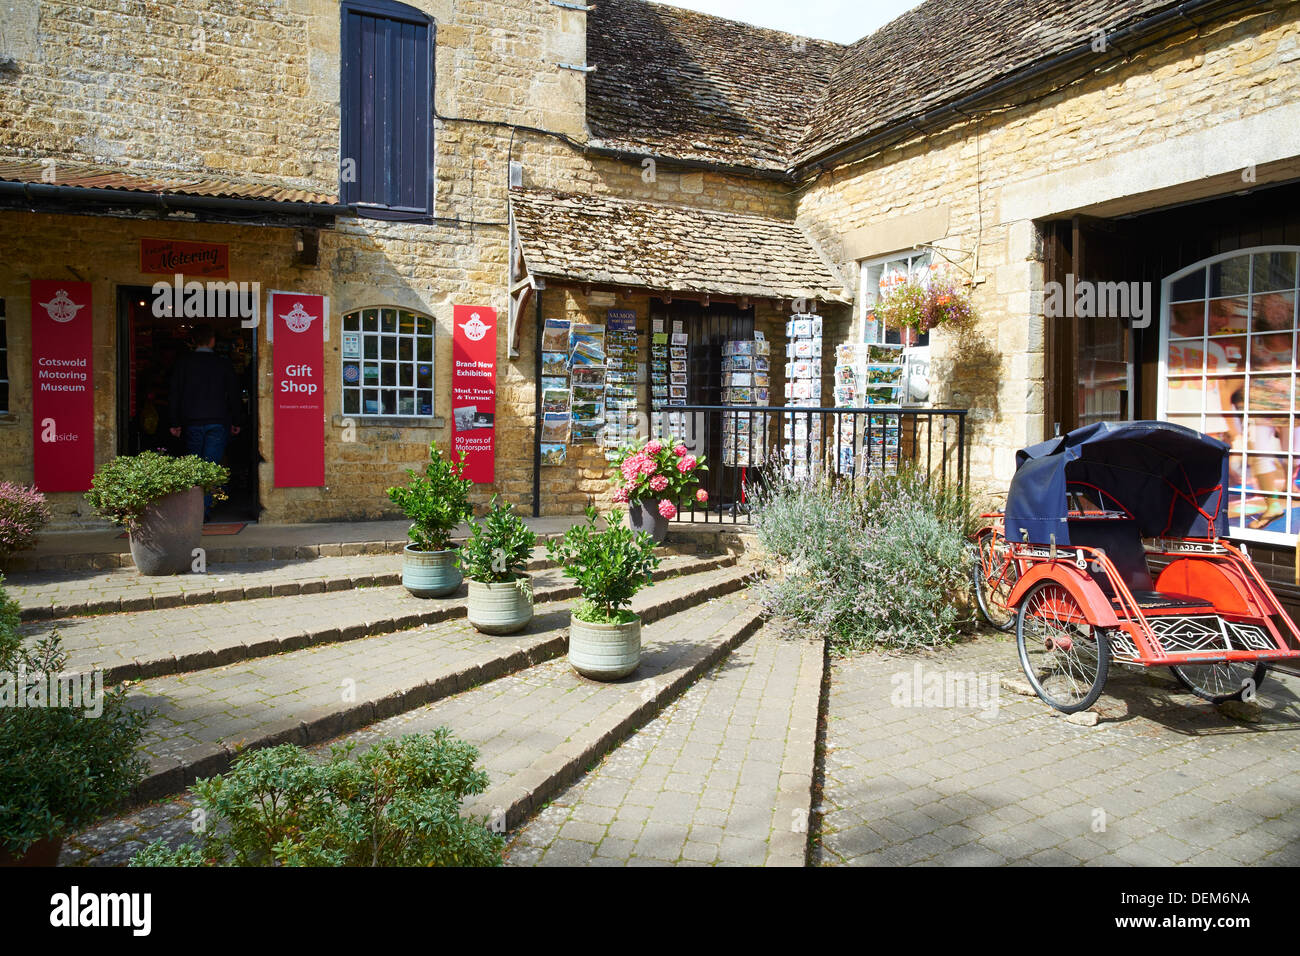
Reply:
x=526, y=227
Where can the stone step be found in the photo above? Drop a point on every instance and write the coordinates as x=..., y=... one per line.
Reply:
x=200, y=719
x=52, y=595
x=723, y=776
x=539, y=730
x=145, y=644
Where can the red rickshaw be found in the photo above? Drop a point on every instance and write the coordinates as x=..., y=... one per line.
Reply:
x=1068, y=566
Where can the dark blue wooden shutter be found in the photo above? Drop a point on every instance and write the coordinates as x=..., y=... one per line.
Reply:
x=386, y=106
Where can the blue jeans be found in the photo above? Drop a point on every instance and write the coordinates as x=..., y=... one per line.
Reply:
x=209, y=443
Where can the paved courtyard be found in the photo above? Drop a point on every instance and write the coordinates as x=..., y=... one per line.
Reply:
x=1162, y=779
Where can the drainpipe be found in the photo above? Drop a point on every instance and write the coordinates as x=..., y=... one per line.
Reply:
x=537, y=406
x=165, y=202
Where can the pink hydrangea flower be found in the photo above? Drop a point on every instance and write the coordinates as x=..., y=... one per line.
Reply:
x=647, y=467
x=620, y=495
x=667, y=509
x=632, y=466
x=686, y=464
x=658, y=483
x=653, y=447
x=701, y=496
x=680, y=450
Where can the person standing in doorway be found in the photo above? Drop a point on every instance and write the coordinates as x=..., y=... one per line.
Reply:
x=204, y=402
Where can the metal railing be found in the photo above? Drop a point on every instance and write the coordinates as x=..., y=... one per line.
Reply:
x=851, y=444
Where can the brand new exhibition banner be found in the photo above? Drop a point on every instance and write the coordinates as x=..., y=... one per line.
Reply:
x=474, y=389
x=298, y=348
x=63, y=391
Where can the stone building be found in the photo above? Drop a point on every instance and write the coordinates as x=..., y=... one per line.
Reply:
x=554, y=161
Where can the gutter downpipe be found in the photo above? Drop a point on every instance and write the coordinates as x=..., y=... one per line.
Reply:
x=537, y=404
x=166, y=202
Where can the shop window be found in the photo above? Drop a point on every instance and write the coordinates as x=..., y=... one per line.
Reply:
x=387, y=363
x=1228, y=369
x=387, y=106
x=4, y=360
x=914, y=352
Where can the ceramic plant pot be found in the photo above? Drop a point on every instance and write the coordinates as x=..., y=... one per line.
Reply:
x=428, y=574
x=645, y=516
x=500, y=608
x=169, y=531
x=604, y=651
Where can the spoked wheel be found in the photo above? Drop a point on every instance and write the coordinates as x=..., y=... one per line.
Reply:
x=1222, y=682
x=994, y=576
x=1065, y=658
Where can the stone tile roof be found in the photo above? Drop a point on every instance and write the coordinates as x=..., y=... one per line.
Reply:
x=944, y=50
x=611, y=241
x=89, y=176
x=682, y=84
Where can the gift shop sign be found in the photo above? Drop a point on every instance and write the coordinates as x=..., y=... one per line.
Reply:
x=297, y=330
x=63, y=396
x=166, y=257
x=474, y=390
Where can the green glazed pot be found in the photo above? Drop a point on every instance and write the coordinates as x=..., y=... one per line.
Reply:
x=500, y=608
x=428, y=574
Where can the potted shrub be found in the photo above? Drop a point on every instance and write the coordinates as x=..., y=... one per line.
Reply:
x=436, y=501
x=652, y=481
x=494, y=558
x=160, y=501
x=23, y=513
x=609, y=567
x=63, y=762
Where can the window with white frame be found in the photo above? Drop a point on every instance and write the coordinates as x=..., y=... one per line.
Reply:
x=1228, y=369
x=387, y=363
x=872, y=273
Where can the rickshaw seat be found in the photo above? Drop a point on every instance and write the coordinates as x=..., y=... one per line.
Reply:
x=1120, y=539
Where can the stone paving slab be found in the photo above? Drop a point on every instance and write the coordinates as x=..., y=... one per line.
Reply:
x=146, y=644
x=723, y=776
x=57, y=594
x=1162, y=779
x=538, y=730
x=200, y=719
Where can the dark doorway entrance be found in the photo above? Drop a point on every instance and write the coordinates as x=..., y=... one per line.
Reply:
x=148, y=347
x=707, y=328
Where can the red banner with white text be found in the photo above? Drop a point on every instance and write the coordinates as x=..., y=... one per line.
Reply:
x=474, y=390
x=298, y=349
x=63, y=387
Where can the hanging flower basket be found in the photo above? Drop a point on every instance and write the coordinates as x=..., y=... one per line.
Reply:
x=924, y=300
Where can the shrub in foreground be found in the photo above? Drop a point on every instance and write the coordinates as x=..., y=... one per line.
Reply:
x=23, y=513
x=396, y=804
x=884, y=566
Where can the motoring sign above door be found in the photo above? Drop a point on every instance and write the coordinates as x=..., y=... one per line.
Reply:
x=171, y=256
x=63, y=388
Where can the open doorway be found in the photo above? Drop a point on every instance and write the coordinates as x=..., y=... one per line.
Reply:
x=148, y=349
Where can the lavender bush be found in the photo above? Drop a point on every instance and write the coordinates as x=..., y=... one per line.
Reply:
x=884, y=567
x=22, y=514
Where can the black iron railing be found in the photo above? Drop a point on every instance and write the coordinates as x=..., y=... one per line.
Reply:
x=852, y=444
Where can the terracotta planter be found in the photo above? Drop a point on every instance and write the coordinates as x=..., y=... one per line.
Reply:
x=429, y=574
x=645, y=516
x=604, y=651
x=168, y=533
x=41, y=853
x=500, y=608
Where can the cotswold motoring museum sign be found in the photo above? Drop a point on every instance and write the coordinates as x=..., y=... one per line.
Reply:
x=297, y=330
x=63, y=388
x=474, y=390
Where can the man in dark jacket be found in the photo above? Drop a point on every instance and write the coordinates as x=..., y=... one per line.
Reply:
x=204, y=402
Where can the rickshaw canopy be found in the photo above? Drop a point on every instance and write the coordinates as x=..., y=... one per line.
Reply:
x=1172, y=480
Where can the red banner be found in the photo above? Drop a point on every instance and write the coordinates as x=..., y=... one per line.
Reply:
x=474, y=389
x=63, y=387
x=170, y=256
x=298, y=348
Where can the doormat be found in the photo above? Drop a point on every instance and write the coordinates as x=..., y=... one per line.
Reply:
x=232, y=527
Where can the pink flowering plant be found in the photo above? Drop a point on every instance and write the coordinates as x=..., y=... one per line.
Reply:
x=924, y=300
x=661, y=473
x=22, y=514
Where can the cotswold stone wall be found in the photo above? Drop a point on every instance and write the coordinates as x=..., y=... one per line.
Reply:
x=977, y=176
x=249, y=91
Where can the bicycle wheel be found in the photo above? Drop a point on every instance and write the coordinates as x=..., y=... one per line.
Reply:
x=1065, y=658
x=1221, y=682
x=994, y=576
